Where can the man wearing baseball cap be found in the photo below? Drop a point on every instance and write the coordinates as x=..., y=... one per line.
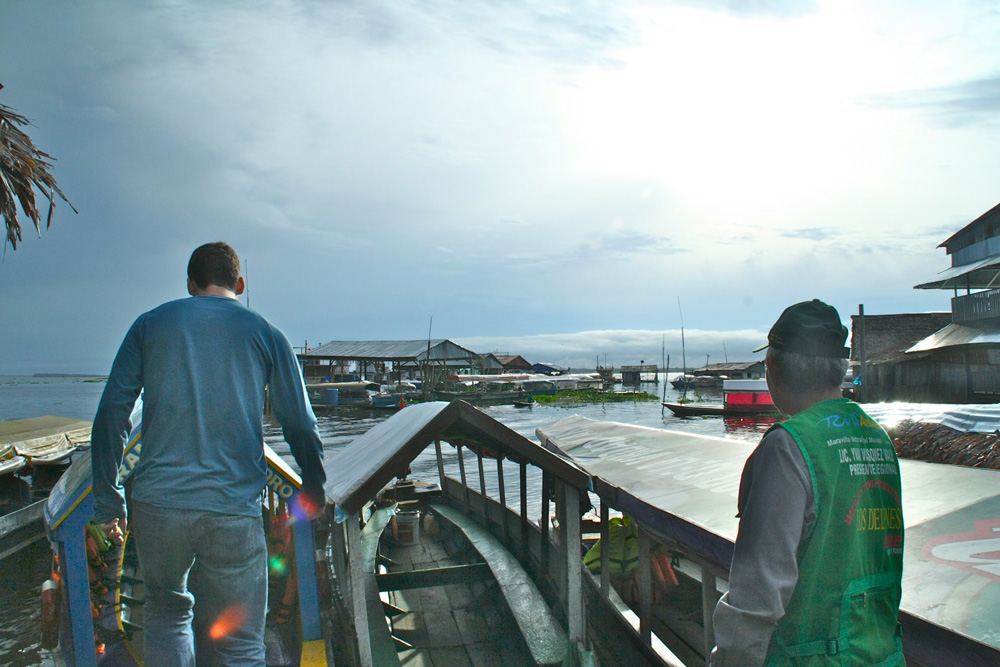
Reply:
x=816, y=571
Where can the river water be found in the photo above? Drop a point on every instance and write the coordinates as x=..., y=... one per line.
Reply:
x=77, y=397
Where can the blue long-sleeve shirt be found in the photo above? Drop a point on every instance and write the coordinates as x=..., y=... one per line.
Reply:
x=202, y=364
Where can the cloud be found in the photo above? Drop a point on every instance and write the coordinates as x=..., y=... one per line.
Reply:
x=975, y=102
x=616, y=347
x=780, y=8
x=808, y=233
x=378, y=163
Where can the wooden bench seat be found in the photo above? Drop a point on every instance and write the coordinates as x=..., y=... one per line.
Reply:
x=544, y=636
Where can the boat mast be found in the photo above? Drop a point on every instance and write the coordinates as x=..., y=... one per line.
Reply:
x=427, y=372
x=684, y=363
x=666, y=370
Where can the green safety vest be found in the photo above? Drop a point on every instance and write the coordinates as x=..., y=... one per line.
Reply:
x=845, y=606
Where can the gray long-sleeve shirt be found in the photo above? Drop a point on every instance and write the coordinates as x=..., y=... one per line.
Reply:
x=202, y=364
x=777, y=509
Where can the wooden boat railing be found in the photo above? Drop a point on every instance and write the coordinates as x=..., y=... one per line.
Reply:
x=555, y=565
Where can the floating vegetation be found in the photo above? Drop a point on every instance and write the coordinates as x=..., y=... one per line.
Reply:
x=568, y=397
x=937, y=443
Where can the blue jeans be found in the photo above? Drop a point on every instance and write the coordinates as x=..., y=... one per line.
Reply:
x=206, y=586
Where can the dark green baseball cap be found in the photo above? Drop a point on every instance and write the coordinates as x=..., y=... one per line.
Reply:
x=812, y=328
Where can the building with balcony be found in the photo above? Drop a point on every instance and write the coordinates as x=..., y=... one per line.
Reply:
x=965, y=354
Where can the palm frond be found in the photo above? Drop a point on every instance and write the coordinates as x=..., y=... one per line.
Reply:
x=23, y=169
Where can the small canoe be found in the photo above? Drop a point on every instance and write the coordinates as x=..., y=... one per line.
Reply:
x=718, y=410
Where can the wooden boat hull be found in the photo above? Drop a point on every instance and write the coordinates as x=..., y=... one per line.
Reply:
x=717, y=410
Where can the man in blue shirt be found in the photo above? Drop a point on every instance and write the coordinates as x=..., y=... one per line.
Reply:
x=202, y=365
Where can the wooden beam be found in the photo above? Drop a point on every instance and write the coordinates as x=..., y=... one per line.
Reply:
x=709, y=596
x=574, y=565
x=605, y=549
x=358, y=602
x=439, y=576
x=645, y=588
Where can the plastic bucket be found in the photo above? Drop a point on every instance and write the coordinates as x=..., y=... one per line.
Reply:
x=333, y=397
x=406, y=527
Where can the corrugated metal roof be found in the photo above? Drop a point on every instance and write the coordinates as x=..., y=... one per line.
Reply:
x=685, y=485
x=967, y=418
x=730, y=366
x=983, y=274
x=958, y=334
x=390, y=350
x=985, y=216
x=513, y=361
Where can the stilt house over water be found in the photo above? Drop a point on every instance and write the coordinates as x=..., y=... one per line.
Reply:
x=386, y=360
x=965, y=354
x=880, y=342
x=736, y=370
x=514, y=363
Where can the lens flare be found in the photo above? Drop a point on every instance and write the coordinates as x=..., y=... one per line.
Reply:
x=228, y=621
x=302, y=508
x=278, y=565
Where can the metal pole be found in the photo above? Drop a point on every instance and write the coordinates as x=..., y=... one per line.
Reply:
x=862, y=394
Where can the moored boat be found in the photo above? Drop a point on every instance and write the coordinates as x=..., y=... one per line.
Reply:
x=45, y=441
x=361, y=574
x=10, y=460
x=528, y=572
x=739, y=398
x=341, y=394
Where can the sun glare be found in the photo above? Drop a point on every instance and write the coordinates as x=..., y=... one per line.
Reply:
x=729, y=119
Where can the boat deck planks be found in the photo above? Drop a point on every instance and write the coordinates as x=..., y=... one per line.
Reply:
x=450, y=624
x=545, y=638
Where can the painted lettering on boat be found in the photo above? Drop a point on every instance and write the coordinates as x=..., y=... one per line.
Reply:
x=130, y=461
x=277, y=484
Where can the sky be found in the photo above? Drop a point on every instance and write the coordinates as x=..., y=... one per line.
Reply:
x=570, y=181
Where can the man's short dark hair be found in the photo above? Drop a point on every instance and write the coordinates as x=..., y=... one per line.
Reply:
x=214, y=264
x=802, y=373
